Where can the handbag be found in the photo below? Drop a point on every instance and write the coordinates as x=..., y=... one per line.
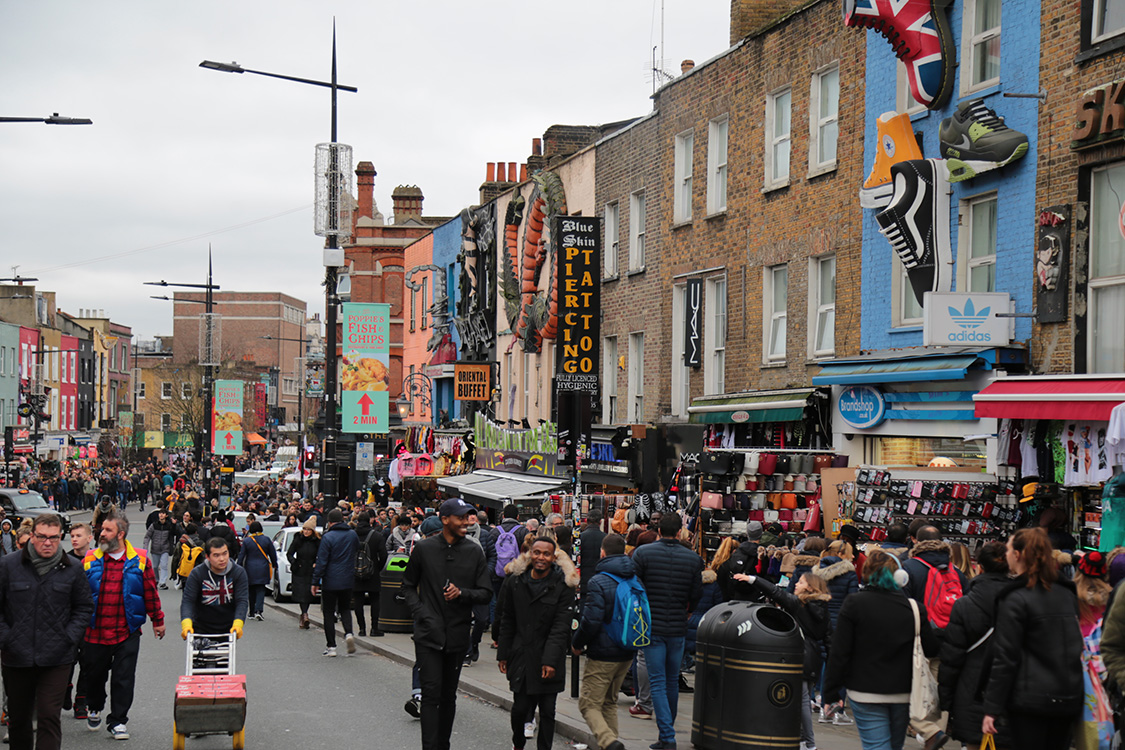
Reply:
x=988, y=742
x=767, y=463
x=712, y=500
x=715, y=463
x=923, y=686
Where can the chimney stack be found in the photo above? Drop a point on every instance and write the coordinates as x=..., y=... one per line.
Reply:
x=513, y=173
x=490, y=172
x=523, y=173
x=365, y=187
x=687, y=65
x=407, y=200
x=536, y=146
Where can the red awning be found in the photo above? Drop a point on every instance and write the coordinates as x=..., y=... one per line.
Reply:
x=255, y=439
x=1077, y=397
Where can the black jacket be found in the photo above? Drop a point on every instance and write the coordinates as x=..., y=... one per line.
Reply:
x=590, y=552
x=743, y=560
x=873, y=644
x=811, y=616
x=959, y=678
x=935, y=553
x=302, y=555
x=672, y=575
x=535, y=628
x=42, y=620
x=597, y=609
x=1036, y=664
x=437, y=623
x=842, y=582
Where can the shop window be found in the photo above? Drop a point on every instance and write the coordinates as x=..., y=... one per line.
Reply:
x=715, y=336
x=824, y=119
x=636, y=377
x=916, y=451
x=978, y=244
x=778, y=138
x=681, y=207
x=1106, y=296
x=681, y=373
x=609, y=380
x=822, y=306
x=981, y=45
x=612, y=238
x=637, y=216
x=906, y=309
x=775, y=293
x=717, y=164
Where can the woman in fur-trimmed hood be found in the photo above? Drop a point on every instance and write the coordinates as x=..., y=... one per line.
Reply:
x=839, y=574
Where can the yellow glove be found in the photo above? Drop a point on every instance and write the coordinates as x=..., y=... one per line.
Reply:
x=237, y=629
x=185, y=628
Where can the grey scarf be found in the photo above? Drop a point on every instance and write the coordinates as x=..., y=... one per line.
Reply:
x=43, y=564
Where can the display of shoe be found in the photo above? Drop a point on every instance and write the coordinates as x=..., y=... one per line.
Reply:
x=639, y=713
x=975, y=140
x=93, y=720
x=916, y=223
x=414, y=707
x=349, y=643
x=529, y=729
x=896, y=143
x=330, y=651
x=920, y=36
x=118, y=732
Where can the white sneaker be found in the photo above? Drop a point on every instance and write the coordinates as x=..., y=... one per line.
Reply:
x=807, y=746
x=824, y=717
x=349, y=639
x=330, y=651
x=529, y=729
x=119, y=732
x=841, y=719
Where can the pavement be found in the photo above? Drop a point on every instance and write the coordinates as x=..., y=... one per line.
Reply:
x=484, y=681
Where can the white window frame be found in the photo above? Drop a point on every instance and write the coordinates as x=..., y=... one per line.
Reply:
x=185, y=391
x=718, y=144
x=1096, y=285
x=770, y=315
x=818, y=122
x=165, y=422
x=141, y=389
x=1100, y=35
x=900, y=288
x=773, y=177
x=818, y=308
x=715, y=298
x=636, y=389
x=638, y=215
x=681, y=373
x=166, y=389
x=966, y=262
x=683, y=169
x=972, y=38
x=609, y=380
x=612, y=216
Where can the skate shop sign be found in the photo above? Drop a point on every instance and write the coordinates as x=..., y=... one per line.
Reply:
x=1099, y=115
x=966, y=319
x=577, y=353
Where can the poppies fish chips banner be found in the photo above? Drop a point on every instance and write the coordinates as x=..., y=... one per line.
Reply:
x=226, y=418
x=365, y=372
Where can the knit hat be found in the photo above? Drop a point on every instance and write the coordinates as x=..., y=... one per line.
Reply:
x=309, y=524
x=1092, y=564
x=753, y=531
x=1117, y=570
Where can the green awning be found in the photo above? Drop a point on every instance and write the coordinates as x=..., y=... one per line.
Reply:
x=754, y=406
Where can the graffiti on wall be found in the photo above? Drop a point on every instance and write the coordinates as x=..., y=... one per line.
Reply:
x=476, y=306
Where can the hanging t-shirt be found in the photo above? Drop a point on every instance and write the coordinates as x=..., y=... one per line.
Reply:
x=1004, y=440
x=1086, y=459
x=1029, y=454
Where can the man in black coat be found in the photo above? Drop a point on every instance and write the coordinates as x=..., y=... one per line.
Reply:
x=445, y=577
x=590, y=548
x=45, y=606
x=536, y=610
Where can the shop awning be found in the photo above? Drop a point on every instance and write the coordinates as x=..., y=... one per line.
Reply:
x=755, y=406
x=918, y=369
x=495, y=486
x=255, y=439
x=1077, y=397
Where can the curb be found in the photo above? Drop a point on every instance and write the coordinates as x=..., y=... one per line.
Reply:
x=565, y=726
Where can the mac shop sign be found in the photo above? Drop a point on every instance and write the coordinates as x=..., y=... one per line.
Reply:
x=862, y=406
x=964, y=318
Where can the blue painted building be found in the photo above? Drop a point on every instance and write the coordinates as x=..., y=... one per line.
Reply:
x=447, y=245
x=9, y=374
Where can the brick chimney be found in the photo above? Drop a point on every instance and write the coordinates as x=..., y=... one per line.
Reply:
x=687, y=65
x=407, y=200
x=749, y=16
x=365, y=187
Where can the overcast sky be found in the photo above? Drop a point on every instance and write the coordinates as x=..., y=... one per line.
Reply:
x=179, y=156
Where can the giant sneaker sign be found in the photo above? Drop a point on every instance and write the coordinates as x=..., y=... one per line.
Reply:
x=966, y=319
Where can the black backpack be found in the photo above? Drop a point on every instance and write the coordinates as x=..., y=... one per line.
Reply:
x=364, y=565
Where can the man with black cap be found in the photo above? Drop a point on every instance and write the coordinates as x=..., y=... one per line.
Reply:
x=445, y=577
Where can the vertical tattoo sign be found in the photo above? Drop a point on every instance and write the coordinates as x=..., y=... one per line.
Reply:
x=693, y=324
x=577, y=351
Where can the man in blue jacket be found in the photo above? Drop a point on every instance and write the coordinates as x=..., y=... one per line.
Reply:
x=606, y=662
x=672, y=575
x=335, y=574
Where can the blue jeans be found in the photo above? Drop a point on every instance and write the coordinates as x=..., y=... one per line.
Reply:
x=663, y=659
x=882, y=726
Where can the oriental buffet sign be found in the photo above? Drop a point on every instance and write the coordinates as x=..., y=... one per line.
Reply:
x=1099, y=116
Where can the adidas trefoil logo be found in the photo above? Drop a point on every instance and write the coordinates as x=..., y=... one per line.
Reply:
x=970, y=318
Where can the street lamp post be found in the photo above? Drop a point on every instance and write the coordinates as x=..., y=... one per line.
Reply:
x=208, y=372
x=54, y=119
x=329, y=472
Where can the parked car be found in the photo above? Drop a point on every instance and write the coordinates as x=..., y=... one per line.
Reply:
x=281, y=587
x=20, y=504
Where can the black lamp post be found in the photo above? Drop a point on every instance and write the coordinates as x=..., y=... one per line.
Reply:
x=329, y=472
x=54, y=119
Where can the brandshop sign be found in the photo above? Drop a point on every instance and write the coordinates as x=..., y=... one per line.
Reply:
x=966, y=319
x=862, y=406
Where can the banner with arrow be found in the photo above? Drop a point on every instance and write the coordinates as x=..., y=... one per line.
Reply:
x=365, y=368
x=226, y=418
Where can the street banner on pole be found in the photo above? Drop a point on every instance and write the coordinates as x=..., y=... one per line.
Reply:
x=365, y=377
x=226, y=418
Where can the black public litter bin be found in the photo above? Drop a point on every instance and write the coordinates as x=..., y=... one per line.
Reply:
x=394, y=615
x=749, y=660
